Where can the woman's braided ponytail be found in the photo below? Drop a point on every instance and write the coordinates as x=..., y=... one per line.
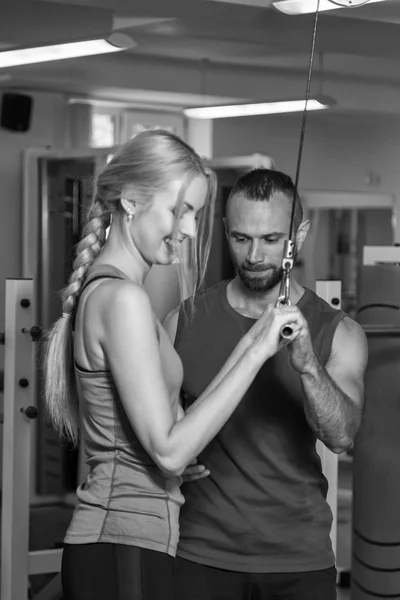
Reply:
x=60, y=395
x=93, y=238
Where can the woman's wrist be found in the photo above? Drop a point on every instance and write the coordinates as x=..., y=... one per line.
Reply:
x=256, y=354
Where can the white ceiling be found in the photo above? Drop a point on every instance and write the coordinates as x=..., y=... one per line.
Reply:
x=357, y=45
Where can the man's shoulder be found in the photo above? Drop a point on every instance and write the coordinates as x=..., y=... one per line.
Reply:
x=348, y=328
x=312, y=302
x=350, y=346
x=323, y=322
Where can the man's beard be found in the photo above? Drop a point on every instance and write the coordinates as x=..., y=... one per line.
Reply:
x=262, y=283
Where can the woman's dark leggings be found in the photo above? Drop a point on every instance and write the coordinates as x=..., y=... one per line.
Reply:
x=115, y=572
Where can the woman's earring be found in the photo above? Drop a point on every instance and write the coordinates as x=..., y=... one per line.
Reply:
x=129, y=217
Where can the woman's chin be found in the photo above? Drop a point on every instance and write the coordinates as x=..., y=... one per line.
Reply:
x=171, y=253
x=166, y=258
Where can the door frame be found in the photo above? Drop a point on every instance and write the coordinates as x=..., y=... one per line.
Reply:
x=30, y=196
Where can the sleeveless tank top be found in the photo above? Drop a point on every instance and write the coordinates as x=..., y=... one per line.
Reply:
x=125, y=499
x=263, y=507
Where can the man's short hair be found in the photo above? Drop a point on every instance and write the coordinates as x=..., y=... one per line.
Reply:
x=261, y=184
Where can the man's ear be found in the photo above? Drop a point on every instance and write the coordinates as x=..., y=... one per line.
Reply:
x=302, y=234
x=226, y=228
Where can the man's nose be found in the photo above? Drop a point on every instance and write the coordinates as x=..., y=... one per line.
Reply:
x=255, y=254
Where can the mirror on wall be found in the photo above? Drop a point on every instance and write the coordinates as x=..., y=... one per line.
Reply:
x=335, y=245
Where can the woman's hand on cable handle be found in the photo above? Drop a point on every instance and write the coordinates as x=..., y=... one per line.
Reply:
x=265, y=336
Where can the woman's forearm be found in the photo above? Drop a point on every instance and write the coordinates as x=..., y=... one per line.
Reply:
x=232, y=361
x=189, y=436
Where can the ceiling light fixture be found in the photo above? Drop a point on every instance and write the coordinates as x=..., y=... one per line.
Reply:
x=27, y=56
x=302, y=7
x=247, y=109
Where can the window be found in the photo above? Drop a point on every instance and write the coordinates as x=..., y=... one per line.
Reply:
x=136, y=121
x=113, y=126
x=103, y=130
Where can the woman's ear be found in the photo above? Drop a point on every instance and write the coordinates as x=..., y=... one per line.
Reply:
x=129, y=206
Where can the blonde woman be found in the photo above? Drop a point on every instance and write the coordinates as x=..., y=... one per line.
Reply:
x=118, y=382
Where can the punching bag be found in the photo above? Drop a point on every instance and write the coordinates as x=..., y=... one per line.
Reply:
x=376, y=466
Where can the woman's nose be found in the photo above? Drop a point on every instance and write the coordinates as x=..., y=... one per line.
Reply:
x=188, y=226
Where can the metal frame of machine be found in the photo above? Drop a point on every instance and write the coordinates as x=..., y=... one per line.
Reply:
x=17, y=562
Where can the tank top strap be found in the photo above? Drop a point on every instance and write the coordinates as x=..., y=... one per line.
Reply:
x=110, y=272
x=323, y=320
x=102, y=272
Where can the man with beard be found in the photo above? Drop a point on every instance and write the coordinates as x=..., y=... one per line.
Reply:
x=258, y=527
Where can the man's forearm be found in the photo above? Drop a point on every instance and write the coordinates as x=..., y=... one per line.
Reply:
x=330, y=412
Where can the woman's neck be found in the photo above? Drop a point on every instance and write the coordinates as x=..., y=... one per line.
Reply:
x=123, y=254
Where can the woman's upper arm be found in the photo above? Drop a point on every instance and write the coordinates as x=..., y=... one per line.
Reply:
x=131, y=348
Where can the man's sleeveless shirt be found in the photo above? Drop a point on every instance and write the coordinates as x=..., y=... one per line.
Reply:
x=263, y=508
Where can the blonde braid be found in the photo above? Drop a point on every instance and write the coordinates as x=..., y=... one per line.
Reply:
x=60, y=394
x=93, y=238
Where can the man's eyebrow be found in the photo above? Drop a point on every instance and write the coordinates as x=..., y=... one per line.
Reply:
x=275, y=234
x=236, y=232
x=265, y=235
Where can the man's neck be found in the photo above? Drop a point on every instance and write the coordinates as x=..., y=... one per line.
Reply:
x=252, y=304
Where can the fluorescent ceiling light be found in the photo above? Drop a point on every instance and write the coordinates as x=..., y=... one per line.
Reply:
x=258, y=108
x=302, y=7
x=260, y=3
x=28, y=56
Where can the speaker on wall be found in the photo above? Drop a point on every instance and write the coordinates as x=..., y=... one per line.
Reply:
x=16, y=111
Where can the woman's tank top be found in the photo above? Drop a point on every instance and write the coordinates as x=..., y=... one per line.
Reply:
x=125, y=499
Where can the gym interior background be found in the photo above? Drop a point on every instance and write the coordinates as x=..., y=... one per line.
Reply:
x=60, y=120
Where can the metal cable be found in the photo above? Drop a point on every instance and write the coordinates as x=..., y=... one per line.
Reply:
x=304, y=120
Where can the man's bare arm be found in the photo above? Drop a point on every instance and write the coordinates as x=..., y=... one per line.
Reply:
x=335, y=393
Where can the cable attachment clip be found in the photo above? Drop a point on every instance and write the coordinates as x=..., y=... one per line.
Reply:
x=287, y=265
x=284, y=292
